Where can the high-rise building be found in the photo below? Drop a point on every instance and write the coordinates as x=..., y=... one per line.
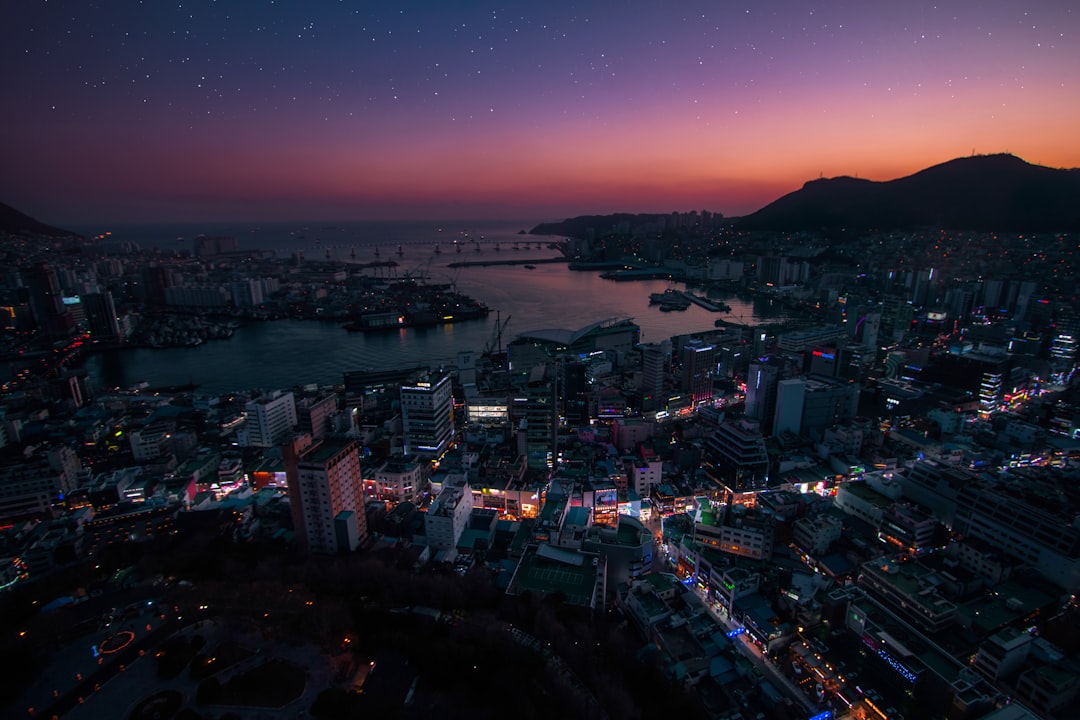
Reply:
x=209, y=246
x=536, y=412
x=101, y=316
x=573, y=391
x=761, y=384
x=156, y=280
x=735, y=456
x=655, y=359
x=46, y=302
x=326, y=494
x=313, y=414
x=809, y=404
x=698, y=370
x=270, y=419
x=247, y=292
x=427, y=413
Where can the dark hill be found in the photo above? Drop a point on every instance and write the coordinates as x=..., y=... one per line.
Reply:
x=13, y=222
x=985, y=192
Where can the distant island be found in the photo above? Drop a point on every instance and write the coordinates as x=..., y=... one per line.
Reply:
x=604, y=224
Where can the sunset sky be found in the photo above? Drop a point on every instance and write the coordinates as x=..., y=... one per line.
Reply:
x=186, y=111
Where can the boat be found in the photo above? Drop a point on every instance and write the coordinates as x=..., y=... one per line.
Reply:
x=668, y=296
x=530, y=267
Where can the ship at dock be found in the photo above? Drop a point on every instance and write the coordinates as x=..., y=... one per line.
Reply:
x=411, y=304
x=670, y=300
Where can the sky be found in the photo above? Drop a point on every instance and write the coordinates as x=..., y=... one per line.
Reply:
x=178, y=111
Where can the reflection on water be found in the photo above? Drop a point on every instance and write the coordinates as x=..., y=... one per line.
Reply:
x=290, y=352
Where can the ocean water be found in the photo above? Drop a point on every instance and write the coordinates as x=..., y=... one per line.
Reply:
x=283, y=353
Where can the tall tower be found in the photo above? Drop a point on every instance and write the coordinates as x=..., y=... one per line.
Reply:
x=46, y=302
x=655, y=359
x=101, y=315
x=698, y=370
x=326, y=493
x=427, y=414
x=761, y=384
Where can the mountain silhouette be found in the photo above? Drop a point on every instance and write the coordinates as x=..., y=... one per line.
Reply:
x=13, y=222
x=982, y=192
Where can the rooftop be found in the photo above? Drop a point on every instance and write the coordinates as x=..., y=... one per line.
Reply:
x=548, y=570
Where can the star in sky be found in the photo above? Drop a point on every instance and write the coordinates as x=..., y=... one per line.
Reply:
x=147, y=110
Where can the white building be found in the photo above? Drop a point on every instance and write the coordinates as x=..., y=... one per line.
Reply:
x=448, y=516
x=645, y=475
x=398, y=480
x=428, y=416
x=270, y=419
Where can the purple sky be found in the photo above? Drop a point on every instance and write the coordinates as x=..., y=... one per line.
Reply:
x=133, y=111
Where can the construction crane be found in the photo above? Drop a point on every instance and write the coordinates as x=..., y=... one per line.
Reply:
x=494, y=343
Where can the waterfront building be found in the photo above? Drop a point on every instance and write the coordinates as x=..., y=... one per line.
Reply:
x=197, y=296
x=247, y=292
x=269, y=419
x=427, y=414
x=725, y=270
x=211, y=245
x=619, y=336
x=101, y=318
x=326, y=494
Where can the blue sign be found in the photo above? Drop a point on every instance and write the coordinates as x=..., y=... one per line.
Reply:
x=738, y=631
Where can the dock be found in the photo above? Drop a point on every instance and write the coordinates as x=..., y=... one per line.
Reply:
x=706, y=303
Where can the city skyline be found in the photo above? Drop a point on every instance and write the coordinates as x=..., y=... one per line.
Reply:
x=219, y=112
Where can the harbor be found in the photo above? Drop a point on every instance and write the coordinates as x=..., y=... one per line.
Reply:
x=673, y=300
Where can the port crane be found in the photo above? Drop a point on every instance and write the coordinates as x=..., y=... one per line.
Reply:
x=494, y=344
